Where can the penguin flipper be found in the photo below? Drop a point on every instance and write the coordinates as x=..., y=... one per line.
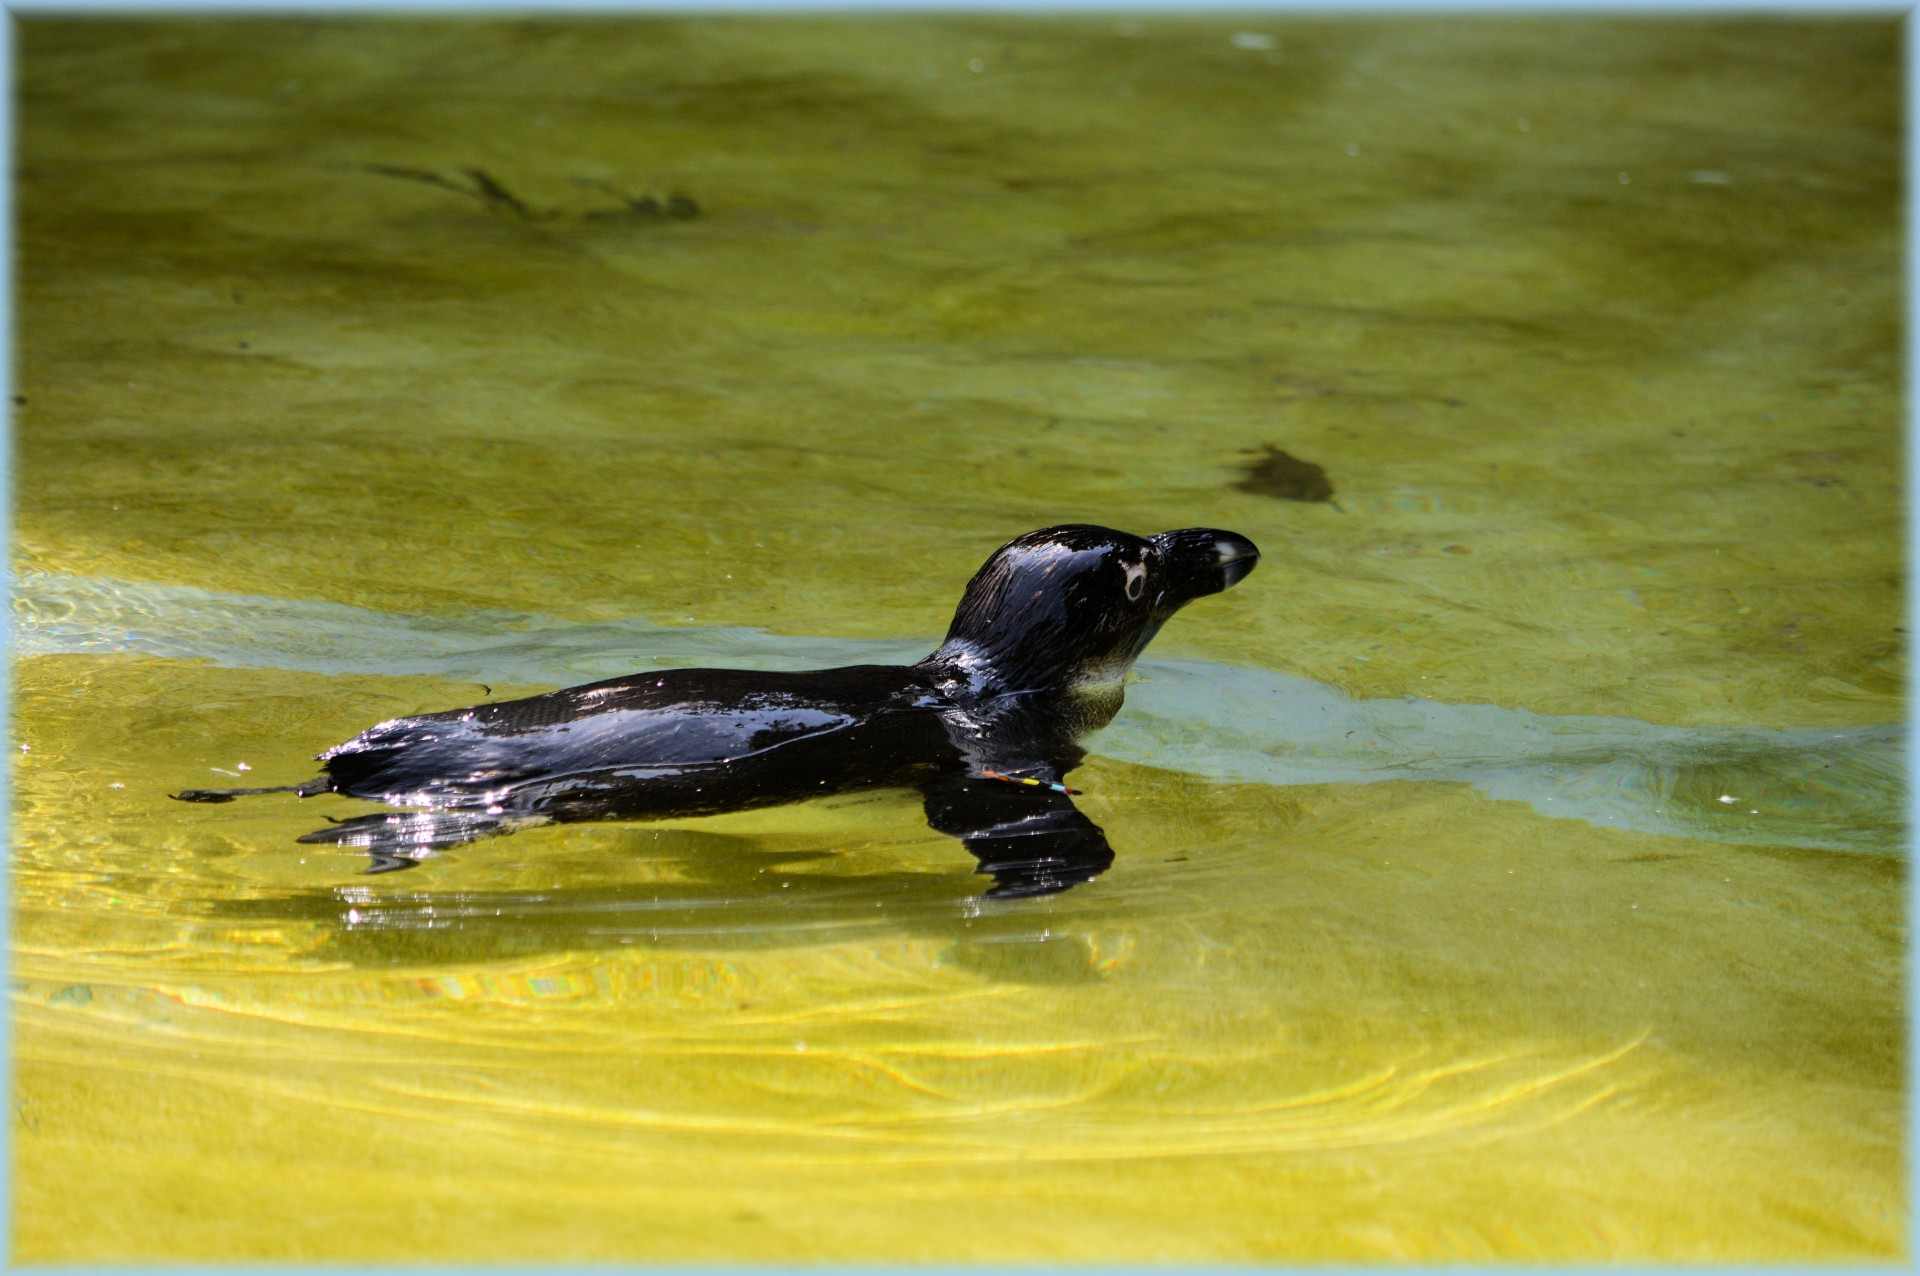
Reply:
x=401, y=839
x=1031, y=840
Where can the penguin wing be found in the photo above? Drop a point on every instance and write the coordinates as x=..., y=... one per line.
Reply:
x=470, y=752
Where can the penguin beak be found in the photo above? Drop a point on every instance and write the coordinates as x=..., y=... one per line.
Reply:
x=1204, y=560
x=1236, y=556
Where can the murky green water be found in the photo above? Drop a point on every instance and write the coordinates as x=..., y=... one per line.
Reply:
x=753, y=340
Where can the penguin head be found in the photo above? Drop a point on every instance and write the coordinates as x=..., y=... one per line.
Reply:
x=1070, y=608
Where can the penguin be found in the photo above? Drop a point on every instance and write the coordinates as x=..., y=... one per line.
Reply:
x=986, y=728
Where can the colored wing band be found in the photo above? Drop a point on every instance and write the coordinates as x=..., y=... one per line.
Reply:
x=1038, y=784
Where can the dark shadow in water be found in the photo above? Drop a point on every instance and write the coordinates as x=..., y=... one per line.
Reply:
x=1280, y=474
x=726, y=891
x=492, y=193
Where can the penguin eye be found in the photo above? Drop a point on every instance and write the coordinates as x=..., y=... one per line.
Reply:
x=1136, y=581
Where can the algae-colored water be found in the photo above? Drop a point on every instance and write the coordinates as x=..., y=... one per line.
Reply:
x=755, y=337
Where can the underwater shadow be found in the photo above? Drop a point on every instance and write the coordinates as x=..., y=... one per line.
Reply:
x=712, y=891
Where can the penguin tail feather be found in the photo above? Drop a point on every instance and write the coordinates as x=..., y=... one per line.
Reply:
x=319, y=784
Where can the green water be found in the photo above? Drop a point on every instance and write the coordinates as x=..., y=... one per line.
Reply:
x=1594, y=326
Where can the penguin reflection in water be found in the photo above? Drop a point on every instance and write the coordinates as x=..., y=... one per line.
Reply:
x=986, y=728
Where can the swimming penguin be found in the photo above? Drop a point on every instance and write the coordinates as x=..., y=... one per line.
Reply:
x=986, y=728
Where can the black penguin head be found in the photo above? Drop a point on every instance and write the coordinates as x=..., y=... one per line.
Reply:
x=1071, y=608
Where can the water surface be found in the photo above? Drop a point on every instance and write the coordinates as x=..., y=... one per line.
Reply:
x=1432, y=933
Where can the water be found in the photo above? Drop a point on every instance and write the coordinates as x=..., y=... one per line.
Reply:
x=1433, y=931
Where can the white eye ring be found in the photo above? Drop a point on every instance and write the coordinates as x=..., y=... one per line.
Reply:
x=1136, y=581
